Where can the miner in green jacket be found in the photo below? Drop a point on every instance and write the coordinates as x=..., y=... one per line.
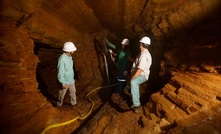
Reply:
x=122, y=61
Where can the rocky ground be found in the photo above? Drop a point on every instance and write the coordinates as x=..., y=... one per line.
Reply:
x=112, y=114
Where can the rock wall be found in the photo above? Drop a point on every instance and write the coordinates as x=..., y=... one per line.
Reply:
x=185, y=38
x=19, y=95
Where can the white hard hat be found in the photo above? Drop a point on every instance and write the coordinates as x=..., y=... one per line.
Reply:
x=145, y=40
x=125, y=42
x=69, y=47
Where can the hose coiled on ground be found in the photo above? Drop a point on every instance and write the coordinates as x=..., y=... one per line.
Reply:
x=76, y=118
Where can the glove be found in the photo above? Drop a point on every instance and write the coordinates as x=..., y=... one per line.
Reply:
x=110, y=50
x=125, y=73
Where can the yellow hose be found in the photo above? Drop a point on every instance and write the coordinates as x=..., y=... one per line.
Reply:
x=76, y=118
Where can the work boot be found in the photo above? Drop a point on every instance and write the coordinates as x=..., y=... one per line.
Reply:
x=137, y=109
x=59, y=104
x=74, y=104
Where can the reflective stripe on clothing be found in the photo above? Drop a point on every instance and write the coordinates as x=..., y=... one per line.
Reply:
x=121, y=79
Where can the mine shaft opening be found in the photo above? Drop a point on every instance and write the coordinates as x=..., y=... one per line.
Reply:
x=46, y=70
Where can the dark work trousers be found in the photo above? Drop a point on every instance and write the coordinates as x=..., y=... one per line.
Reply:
x=121, y=84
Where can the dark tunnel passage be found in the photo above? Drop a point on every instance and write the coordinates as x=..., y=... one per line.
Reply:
x=46, y=73
x=44, y=63
x=182, y=94
x=158, y=76
x=188, y=35
x=46, y=76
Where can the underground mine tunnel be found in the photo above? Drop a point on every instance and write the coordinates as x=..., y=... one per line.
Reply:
x=182, y=94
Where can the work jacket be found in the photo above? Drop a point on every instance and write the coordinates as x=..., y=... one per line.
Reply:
x=65, y=69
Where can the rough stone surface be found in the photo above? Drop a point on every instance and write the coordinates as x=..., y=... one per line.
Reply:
x=183, y=92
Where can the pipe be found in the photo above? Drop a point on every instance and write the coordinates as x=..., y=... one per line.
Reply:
x=76, y=118
x=89, y=125
x=106, y=66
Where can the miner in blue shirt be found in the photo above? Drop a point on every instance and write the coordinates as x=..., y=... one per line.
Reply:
x=66, y=74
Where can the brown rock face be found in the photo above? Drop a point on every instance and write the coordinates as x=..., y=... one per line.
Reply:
x=182, y=95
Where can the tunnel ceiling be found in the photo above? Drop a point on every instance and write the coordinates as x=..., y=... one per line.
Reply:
x=53, y=22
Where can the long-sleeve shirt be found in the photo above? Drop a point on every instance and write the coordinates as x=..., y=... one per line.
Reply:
x=65, y=69
x=111, y=45
x=122, y=55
